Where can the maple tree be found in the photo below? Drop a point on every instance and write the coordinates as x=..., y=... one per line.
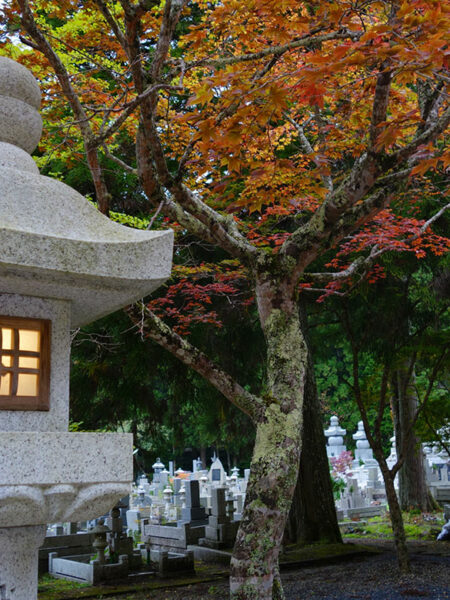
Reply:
x=272, y=132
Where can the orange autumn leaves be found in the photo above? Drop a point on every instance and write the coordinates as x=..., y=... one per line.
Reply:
x=253, y=79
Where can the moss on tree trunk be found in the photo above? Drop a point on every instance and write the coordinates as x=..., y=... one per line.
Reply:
x=274, y=467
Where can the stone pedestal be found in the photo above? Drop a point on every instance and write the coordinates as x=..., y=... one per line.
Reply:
x=18, y=565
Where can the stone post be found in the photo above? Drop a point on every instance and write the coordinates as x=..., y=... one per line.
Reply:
x=18, y=565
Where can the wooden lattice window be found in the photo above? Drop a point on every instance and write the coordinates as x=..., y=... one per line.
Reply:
x=24, y=363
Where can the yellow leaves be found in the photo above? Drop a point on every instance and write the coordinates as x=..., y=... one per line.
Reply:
x=202, y=95
x=404, y=10
x=397, y=130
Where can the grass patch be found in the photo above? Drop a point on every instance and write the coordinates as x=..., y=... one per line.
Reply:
x=424, y=526
x=320, y=552
x=47, y=583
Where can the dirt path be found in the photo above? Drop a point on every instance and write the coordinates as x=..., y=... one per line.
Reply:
x=366, y=578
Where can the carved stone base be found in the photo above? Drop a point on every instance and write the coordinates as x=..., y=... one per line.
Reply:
x=19, y=561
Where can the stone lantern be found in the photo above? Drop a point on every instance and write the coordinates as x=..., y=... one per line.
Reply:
x=62, y=265
x=335, y=434
x=100, y=542
x=157, y=468
x=363, y=452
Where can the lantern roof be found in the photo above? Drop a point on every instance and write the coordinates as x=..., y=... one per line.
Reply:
x=53, y=242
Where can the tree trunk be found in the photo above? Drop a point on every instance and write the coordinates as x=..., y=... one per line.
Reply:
x=312, y=517
x=276, y=455
x=396, y=517
x=203, y=457
x=412, y=480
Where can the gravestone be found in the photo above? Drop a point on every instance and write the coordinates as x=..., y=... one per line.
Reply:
x=118, y=542
x=220, y=531
x=193, y=513
x=217, y=474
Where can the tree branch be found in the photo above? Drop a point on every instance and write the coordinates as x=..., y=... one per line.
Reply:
x=119, y=162
x=380, y=104
x=308, y=149
x=362, y=264
x=129, y=108
x=223, y=229
x=172, y=12
x=429, y=135
x=332, y=221
x=45, y=48
x=112, y=22
x=154, y=328
x=303, y=42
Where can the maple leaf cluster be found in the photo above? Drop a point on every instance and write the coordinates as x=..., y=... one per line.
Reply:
x=190, y=299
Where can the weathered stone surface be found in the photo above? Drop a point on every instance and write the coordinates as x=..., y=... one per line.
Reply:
x=13, y=157
x=75, y=458
x=18, y=550
x=16, y=81
x=53, y=242
x=89, y=473
x=20, y=121
x=20, y=124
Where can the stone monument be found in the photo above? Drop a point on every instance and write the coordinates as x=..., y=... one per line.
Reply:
x=62, y=265
x=335, y=437
x=193, y=512
x=363, y=452
x=221, y=530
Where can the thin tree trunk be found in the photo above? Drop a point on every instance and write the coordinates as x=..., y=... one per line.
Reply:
x=413, y=490
x=203, y=456
x=312, y=517
x=396, y=517
x=395, y=512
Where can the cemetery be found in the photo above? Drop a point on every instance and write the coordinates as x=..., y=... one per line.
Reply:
x=224, y=297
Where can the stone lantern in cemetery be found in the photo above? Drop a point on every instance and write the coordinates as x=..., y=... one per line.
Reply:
x=363, y=452
x=157, y=468
x=62, y=265
x=335, y=435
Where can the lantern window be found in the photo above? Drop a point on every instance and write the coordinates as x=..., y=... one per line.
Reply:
x=24, y=363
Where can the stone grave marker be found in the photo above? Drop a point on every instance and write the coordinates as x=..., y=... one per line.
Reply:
x=193, y=513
